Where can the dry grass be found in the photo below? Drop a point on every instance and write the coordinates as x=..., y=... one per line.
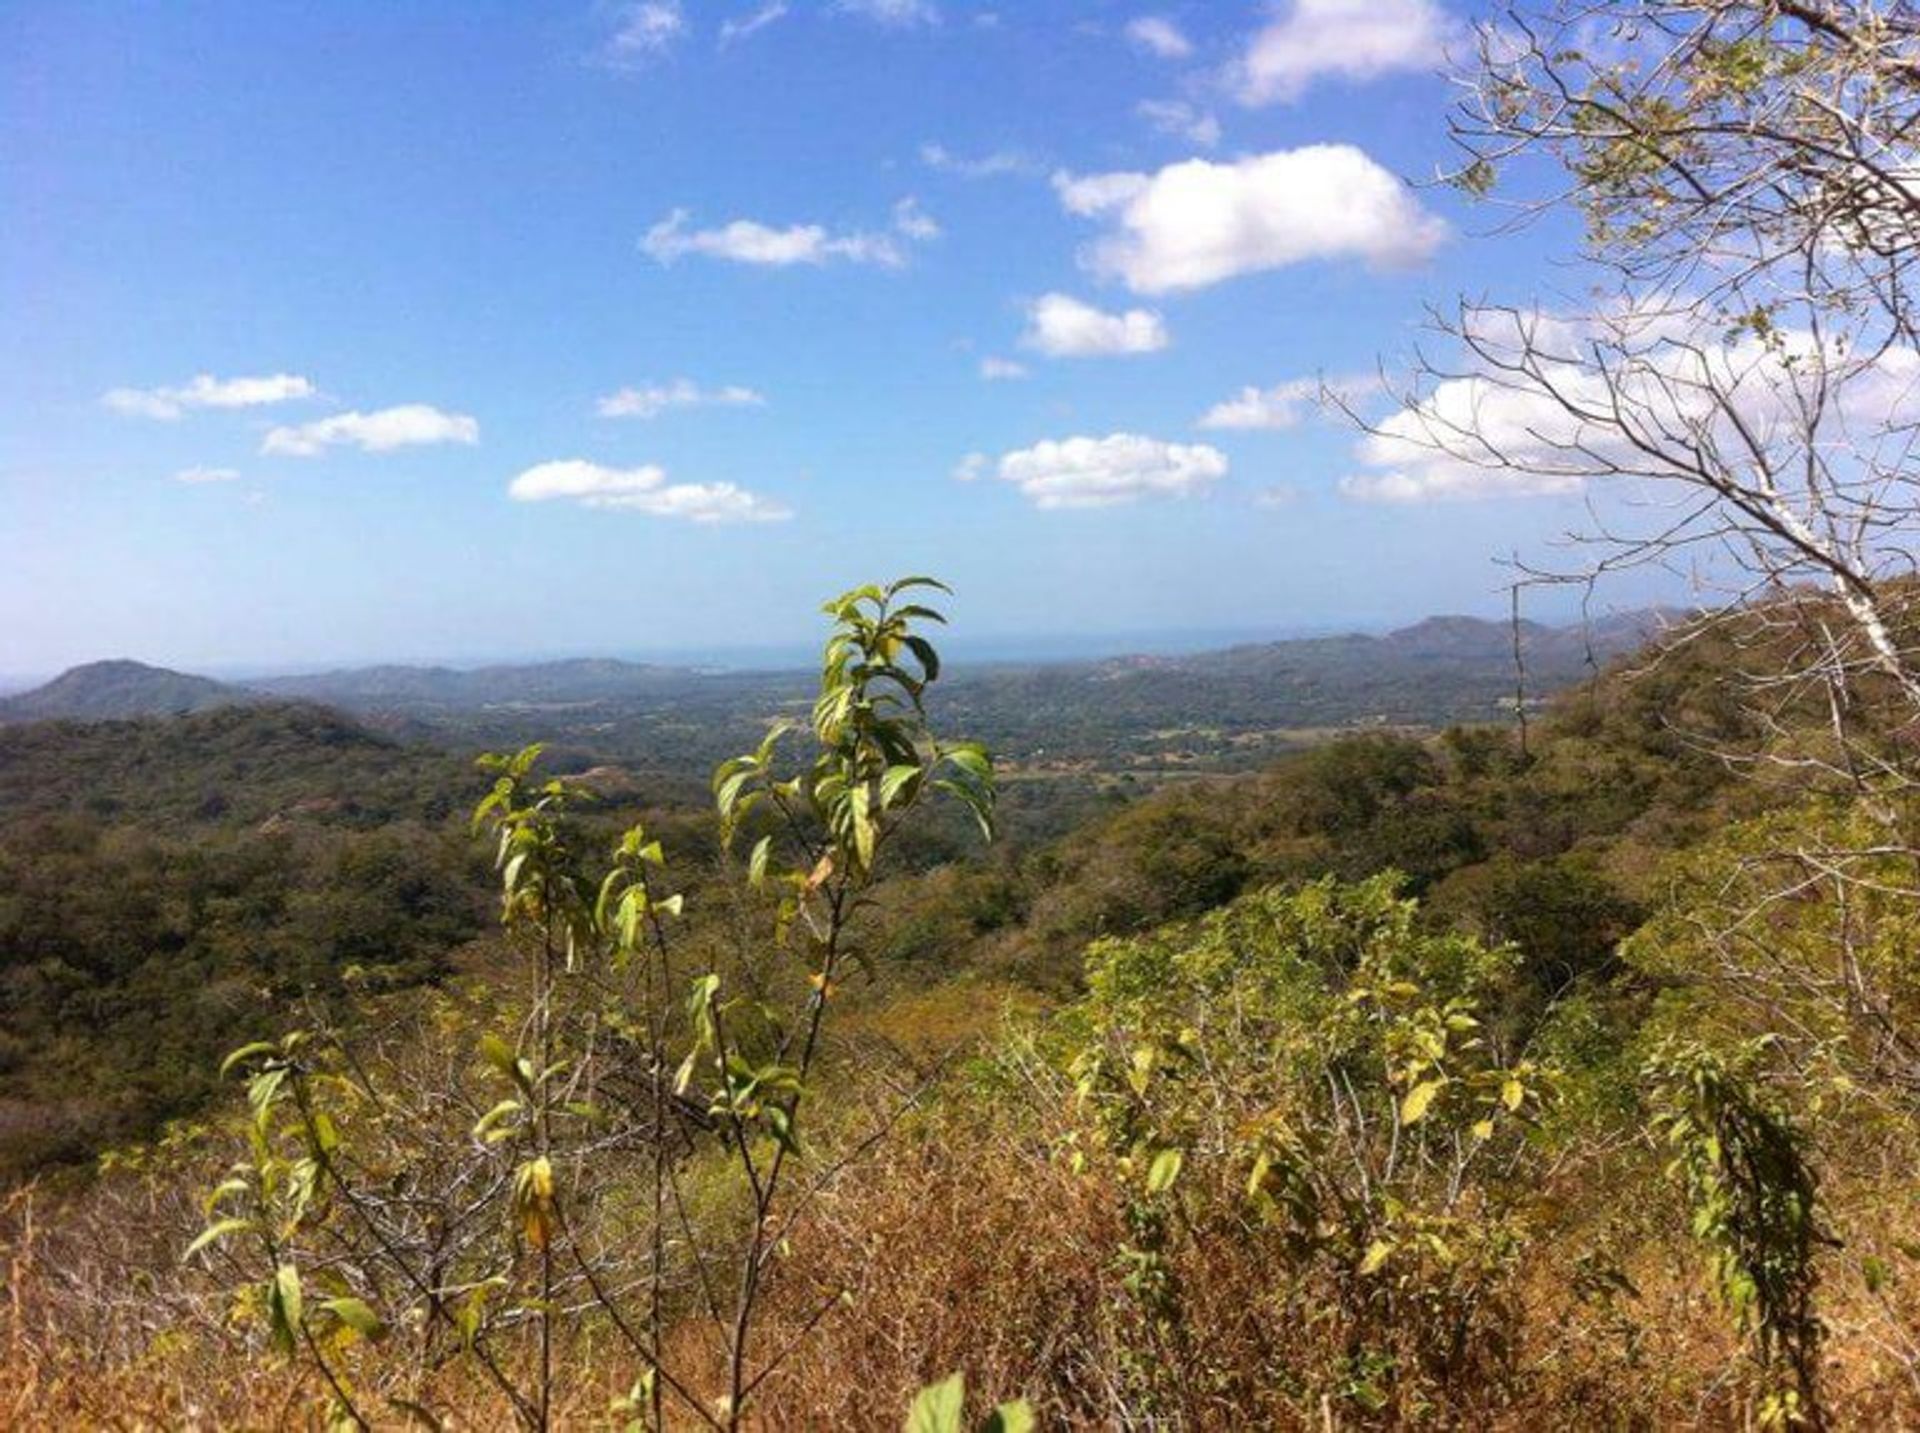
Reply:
x=963, y=1243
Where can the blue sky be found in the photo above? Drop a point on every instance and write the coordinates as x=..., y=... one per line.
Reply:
x=318, y=321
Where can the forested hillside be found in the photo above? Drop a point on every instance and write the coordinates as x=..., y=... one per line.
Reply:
x=102, y=690
x=1415, y=997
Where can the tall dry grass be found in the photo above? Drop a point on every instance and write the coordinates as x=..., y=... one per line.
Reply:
x=964, y=1242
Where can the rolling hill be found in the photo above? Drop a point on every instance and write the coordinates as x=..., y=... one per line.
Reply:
x=105, y=691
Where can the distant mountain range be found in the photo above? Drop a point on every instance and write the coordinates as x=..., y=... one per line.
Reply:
x=582, y=679
x=1443, y=668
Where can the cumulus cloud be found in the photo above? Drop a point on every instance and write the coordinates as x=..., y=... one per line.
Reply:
x=653, y=399
x=1182, y=120
x=410, y=425
x=207, y=475
x=1557, y=426
x=642, y=490
x=1347, y=39
x=1061, y=326
x=746, y=26
x=206, y=391
x=1159, y=36
x=747, y=241
x=985, y=166
x=999, y=369
x=1101, y=472
x=1198, y=222
x=642, y=33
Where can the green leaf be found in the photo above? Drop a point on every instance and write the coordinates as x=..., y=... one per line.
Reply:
x=904, y=583
x=1875, y=1272
x=283, y=1305
x=926, y=656
x=859, y=804
x=683, y=1076
x=357, y=1316
x=1377, y=1254
x=1164, y=1170
x=484, y=1129
x=215, y=1231
x=1419, y=1099
x=231, y=1185
x=757, y=862
x=938, y=1407
x=245, y=1053
x=896, y=779
x=1014, y=1417
x=499, y=1054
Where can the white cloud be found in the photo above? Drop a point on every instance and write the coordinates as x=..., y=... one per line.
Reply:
x=410, y=425
x=1431, y=481
x=1061, y=326
x=892, y=12
x=1351, y=39
x=1182, y=120
x=746, y=241
x=206, y=391
x=1284, y=405
x=997, y=369
x=1276, y=495
x=207, y=475
x=912, y=222
x=643, y=33
x=985, y=166
x=643, y=490
x=749, y=25
x=1159, y=36
x=1102, y=472
x=1090, y=194
x=1555, y=425
x=1197, y=222
x=654, y=399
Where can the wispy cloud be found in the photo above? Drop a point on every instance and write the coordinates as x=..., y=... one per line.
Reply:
x=748, y=241
x=1061, y=326
x=643, y=33
x=1182, y=120
x=410, y=425
x=653, y=399
x=1000, y=370
x=1158, y=36
x=642, y=490
x=900, y=13
x=206, y=391
x=910, y=221
x=1101, y=472
x=985, y=166
x=747, y=26
x=207, y=475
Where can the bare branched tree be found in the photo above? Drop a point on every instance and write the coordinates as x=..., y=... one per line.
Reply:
x=1738, y=396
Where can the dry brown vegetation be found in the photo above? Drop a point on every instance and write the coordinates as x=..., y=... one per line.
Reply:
x=968, y=1243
